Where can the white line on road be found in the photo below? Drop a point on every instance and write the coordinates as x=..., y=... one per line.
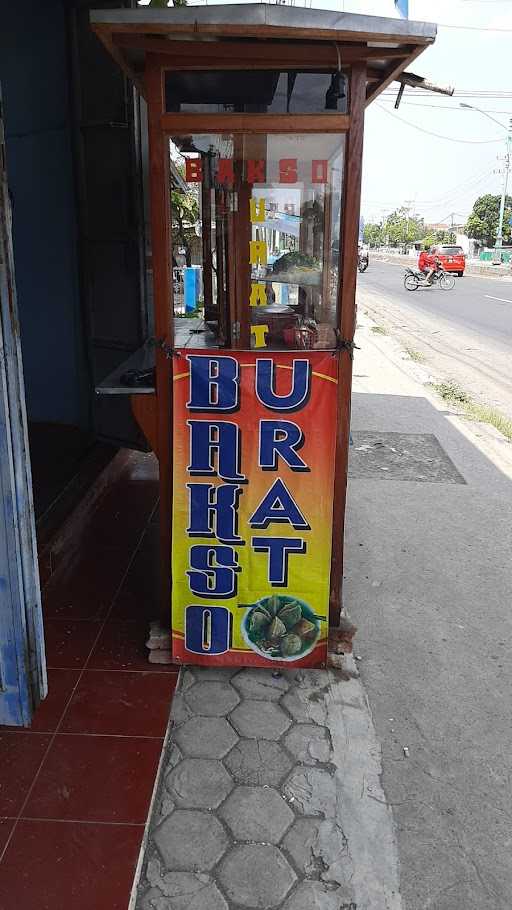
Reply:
x=502, y=299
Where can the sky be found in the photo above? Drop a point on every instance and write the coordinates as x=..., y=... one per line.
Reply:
x=439, y=178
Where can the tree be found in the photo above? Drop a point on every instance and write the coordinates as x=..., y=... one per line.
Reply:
x=439, y=236
x=402, y=228
x=185, y=212
x=373, y=235
x=483, y=222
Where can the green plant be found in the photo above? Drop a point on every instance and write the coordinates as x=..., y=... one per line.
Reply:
x=454, y=395
x=379, y=330
x=417, y=356
x=451, y=392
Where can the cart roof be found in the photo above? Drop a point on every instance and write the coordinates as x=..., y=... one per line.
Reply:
x=387, y=46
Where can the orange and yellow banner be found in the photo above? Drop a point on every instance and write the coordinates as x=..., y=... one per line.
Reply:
x=253, y=474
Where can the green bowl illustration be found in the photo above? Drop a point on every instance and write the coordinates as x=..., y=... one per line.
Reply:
x=281, y=627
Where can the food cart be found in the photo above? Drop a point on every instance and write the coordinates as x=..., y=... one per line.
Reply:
x=259, y=110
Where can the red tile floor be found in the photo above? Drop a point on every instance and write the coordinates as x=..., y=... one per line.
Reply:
x=75, y=789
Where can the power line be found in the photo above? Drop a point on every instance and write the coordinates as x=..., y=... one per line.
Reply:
x=437, y=135
x=473, y=28
x=489, y=94
x=471, y=93
x=448, y=198
x=461, y=187
x=451, y=107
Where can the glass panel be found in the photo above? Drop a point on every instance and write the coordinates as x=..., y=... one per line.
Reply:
x=256, y=91
x=256, y=238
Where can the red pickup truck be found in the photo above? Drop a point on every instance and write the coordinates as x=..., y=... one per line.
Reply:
x=452, y=258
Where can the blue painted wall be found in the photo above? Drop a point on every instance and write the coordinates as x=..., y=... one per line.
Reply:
x=34, y=77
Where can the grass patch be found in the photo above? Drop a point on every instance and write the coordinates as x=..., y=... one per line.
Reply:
x=417, y=356
x=379, y=330
x=453, y=394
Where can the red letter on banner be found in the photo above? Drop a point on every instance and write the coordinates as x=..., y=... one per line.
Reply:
x=288, y=170
x=193, y=170
x=319, y=171
x=225, y=172
x=256, y=171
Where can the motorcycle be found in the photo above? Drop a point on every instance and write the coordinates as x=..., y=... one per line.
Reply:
x=415, y=279
x=363, y=261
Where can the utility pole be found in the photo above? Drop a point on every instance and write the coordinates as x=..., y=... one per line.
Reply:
x=408, y=204
x=499, y=238
x=506, y=169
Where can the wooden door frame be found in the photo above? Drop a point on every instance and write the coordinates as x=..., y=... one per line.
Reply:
x=161, y=126
x=23, y=678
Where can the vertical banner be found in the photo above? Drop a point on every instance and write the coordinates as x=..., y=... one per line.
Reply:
x=253, y=475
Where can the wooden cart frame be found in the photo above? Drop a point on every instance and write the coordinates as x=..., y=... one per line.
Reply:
x=147, y=43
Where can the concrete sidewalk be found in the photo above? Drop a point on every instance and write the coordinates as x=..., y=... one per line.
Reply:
x=272, y=791
x=269, y=797
x=429, y=584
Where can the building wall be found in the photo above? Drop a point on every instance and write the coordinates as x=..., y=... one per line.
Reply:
x=34, y=77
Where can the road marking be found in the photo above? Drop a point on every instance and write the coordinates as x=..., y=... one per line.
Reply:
x=502, y=299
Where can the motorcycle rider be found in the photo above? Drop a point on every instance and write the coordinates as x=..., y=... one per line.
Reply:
x=436, y=267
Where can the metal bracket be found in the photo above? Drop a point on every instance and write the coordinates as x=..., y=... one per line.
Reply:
x=163, y=346
x=345, y=344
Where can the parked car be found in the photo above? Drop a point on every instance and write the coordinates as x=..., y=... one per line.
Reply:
x=452, y=258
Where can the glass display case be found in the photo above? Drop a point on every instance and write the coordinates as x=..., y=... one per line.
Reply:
x=268, y=214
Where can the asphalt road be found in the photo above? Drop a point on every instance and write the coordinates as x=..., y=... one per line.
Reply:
x=464, y=334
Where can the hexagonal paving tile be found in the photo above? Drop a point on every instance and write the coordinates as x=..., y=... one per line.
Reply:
x=301, y=842
x=187, y=678
x=315, y=896
x=190, y=841
x=198, y=783
x=257, y=814
x=207, y=673
x=311, y=791
x=260, y=720
x=206, y=737
x=256, y=683
x=213, y=698
x=180, y=711
x=203, y=897
x=302, y=709
x=258, y=762
x=319, y=848
x=256, y=876
x=181, y=890
x=309, y=743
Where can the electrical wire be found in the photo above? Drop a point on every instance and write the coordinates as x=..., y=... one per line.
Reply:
x=450, y=197
x=473, y=28
x=437, y=135
x=457, y=196
x=445, y=198
x=450, y=107
x=497, y=94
